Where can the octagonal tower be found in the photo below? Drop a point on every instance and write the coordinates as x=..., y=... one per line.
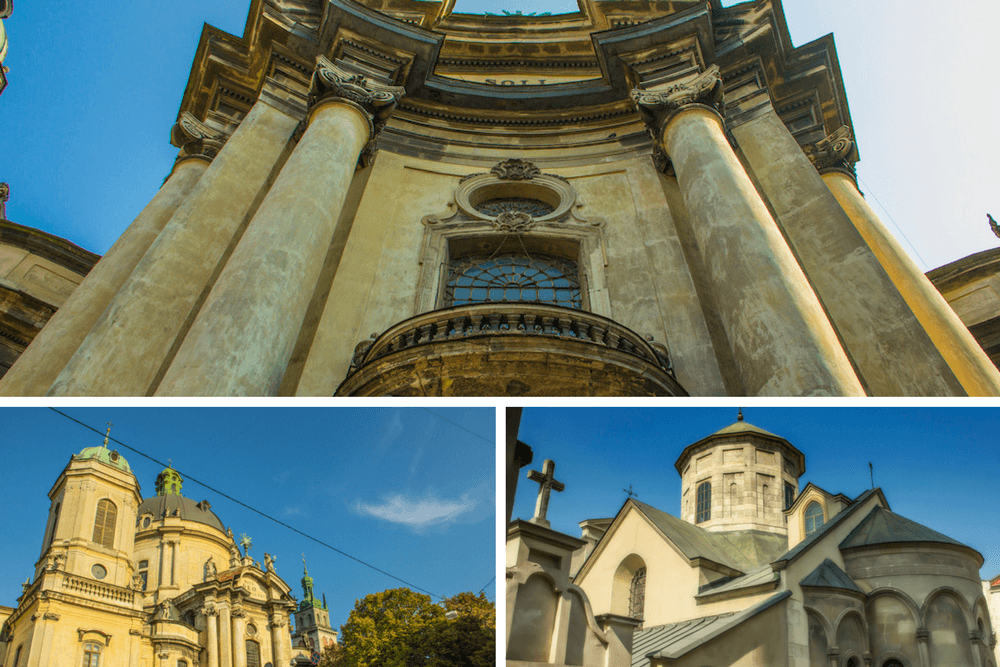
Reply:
x=739, y=478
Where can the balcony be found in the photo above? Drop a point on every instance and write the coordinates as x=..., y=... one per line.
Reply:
x=510, y=349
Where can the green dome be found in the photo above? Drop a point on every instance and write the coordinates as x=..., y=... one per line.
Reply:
x=104, y=455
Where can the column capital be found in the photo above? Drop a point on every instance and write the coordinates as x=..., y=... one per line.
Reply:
x=375, y=100
x=195, y=139
x=922, y=635
x=657, y=107
x=834, y=152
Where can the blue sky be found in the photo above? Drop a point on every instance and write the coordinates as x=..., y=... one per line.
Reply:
x=84, y=123
x=402, y=489
x=935, y=465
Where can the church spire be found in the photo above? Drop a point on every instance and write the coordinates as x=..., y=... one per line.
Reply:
x=739, y=415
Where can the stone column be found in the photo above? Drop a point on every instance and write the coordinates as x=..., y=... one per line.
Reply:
x=36, y=369
x=782, y=342
x=212, y=620
x=225, y=636
x=126, y=349
x=892, y=352
x=280, y=639
x=239, y=636
x=922, y=638
x=978, y=375
x=242, y=339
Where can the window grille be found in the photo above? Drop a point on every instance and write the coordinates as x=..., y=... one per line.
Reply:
x=637, y=594
x=513, y=278
x=533, y=207
x=253, y=653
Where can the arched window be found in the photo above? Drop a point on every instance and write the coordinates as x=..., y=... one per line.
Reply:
x=814, y=518
x=637, y=594
x=892, y=662
x=538, y=278
x=253, y=653
x=789, y=495
x=704, y=509
x=92, y=654
x=182, y=663
x=853, y=662
x=104, y=523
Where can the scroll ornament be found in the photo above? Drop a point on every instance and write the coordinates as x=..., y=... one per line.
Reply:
x=193, y=137
x=656, y=107
x=377, y=99
x=833, y=153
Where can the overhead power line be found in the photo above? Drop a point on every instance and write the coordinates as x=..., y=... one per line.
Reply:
x=492, y=442
x=249, y=507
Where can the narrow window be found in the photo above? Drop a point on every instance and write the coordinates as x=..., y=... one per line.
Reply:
x=732, y=500
x=104, y=524
x=763, y=500
x=91, y=655
x=17, y=656
x=253, y=653
x=55, y=524
x=789, y=495
x=814, y=518
x=182, y=663
x=704, y=502
x=637, y=594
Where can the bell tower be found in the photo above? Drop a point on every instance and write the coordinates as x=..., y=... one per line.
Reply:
x=91, y=527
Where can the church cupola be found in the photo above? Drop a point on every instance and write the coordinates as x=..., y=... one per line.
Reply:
x=739, y=478
x=168, y=482
x=308, y=598
x=312, y=620
x=91, y=517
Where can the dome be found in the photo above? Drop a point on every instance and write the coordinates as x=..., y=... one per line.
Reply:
x=173, y=505
x=104, y=455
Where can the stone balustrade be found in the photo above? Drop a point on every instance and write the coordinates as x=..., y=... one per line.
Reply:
x=510, y=319
x=99, y=590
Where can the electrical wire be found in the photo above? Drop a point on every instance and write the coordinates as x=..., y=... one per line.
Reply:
x=898, y=228
x=460, y=427
x=252, y=509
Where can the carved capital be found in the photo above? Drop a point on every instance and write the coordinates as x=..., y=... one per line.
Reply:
x=238, y=611
x=657, y=107
x=209, y=609
x=834, y=152
x=922, y=634
x=377, y=99
x=194, y=138
x=277, y=621
x=50, y=616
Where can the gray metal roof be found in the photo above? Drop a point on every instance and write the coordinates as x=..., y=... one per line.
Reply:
x=884, y=527
x=740, y=550
x=744, y=427
x=172, y=505
x=675, y=639
x=835, y=520
x=762, y=575
x=829, y=575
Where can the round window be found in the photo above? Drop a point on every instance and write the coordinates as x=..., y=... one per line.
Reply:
x=99, y=571
x=146, y=521
x=251, y=629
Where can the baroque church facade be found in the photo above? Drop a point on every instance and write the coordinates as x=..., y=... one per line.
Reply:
x=755, y=571
x=123, y=580
x=380, y=197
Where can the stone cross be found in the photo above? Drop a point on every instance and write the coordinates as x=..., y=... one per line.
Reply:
x=546, y=484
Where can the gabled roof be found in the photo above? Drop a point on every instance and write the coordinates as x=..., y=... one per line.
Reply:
x=692, y=541
x=836, y=520
x=884, y=527
x=805, y=491
x=673, y=640
x=763, y=576
x=829, y=575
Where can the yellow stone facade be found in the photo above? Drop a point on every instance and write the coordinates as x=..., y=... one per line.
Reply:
x=380, y=197
x=127, y=581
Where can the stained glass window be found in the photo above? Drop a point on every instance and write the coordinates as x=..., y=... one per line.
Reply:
x=704, y=502
x=513, y=278
x=814, y=518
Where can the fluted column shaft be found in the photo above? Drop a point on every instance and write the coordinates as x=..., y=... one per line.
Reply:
x=127, y=347
x=225, y=637
x=280, y=638
x=37, y=368
x=965, y=357
x=243, y=337
x=782, y=342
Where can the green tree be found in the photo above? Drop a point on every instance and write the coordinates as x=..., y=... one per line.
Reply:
x=381, y=623
x=400, y=628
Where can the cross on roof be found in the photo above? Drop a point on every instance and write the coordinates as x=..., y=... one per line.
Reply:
x=546, y=484
x=108, y=434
